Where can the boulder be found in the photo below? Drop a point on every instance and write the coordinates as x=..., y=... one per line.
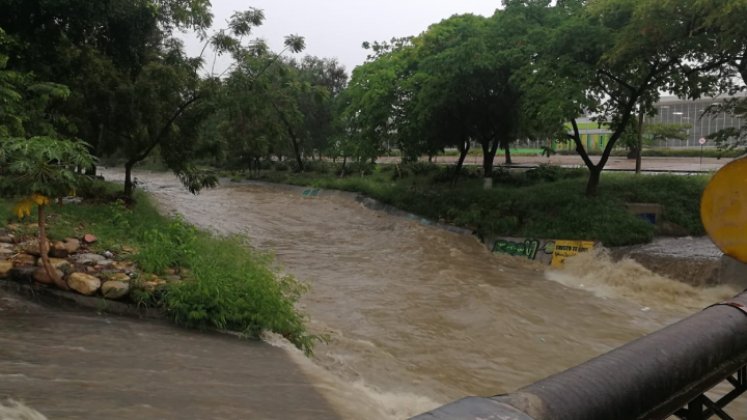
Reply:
x=89, y=259
x=105, y=263
x=16, y=227
x=150, y=286
x=72, y=245
x=6, y=249
x=7, y=238
x=5, y=267
x=128, y=249
x=89, y=238
x=58, y=250
x=83, y=283
x=115, y=289
x=126, y=266
x=120, y=277
x=60, y=264
x=41, y=276
x=31, y=247
x=23, y=260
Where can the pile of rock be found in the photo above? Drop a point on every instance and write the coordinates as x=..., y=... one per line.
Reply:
x=82, y=270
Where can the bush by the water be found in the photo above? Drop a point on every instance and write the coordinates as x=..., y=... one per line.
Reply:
x=229, y=286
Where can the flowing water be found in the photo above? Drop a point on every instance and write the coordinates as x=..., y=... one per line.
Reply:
x=419, y=316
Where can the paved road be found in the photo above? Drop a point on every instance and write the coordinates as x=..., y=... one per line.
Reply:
x=683, y=164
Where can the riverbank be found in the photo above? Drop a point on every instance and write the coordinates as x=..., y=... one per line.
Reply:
x=545, y=202
x=133, y=254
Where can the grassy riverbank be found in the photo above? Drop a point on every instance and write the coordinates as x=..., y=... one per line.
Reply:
x=224, y=285
x=547, y=202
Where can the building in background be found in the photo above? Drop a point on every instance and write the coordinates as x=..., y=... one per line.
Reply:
x=670, y=110
x=673, y=110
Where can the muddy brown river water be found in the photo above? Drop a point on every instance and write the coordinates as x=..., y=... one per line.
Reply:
x=419, y=316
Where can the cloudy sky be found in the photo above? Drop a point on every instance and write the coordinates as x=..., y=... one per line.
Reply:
x=336, y=28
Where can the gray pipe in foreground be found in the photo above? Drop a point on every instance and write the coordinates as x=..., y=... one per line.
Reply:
x=649, y=378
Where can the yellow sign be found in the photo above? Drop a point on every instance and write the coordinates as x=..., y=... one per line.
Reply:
x=723, y=209
x=565, y=249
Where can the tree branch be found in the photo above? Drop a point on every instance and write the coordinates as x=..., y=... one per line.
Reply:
x=179, y=111
x=576, y=136
x=617, y=80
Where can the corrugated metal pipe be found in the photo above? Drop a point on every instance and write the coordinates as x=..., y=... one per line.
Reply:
x=649, y=378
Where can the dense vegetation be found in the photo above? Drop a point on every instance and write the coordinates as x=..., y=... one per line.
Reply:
x=113, y=75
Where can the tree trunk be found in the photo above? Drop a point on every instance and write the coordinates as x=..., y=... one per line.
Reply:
x=44, y=251
x=463, y=150
x=638, y=160
x=639, y=143
x=128, y=178
x=593, y=182
x=489, y=149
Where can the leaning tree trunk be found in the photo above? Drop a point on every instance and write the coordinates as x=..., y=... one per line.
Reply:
x=44, y=251
x=462, y=156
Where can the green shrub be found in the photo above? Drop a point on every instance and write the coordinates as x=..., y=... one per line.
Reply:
x=169, y=246
x=236, y=290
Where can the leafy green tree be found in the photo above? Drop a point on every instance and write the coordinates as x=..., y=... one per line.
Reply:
x=260, y=106
x=373, y=106
x=325, y=79
x=37, y=168
x=610, y=59
x=104, y=52
x=463, y=87
x=724, y=21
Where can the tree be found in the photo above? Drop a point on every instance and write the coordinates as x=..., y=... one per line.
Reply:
x=259, y=103
x=373, y=104
x=724, y=22
x=610, y=59
x=464, y=86
x=641, y=133
x=39, y=169
x=106, y=51
x=325, y=79
x=159, y=108
x=36, y=168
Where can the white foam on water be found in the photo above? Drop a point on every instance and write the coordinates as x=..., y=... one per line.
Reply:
x=596, y=272
x=355, y=399
x=14, y=410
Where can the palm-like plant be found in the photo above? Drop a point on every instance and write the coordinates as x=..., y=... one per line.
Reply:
x=37, y=169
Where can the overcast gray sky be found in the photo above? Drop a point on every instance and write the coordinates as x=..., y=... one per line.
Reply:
x=336, y=28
